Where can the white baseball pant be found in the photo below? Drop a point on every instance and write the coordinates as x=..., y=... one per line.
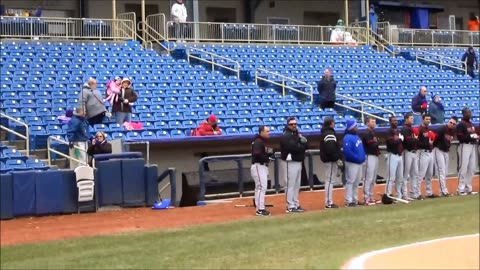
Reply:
x=467, y=162
x=293, y=178
x=331, y=169
x=441, y=163
x=353, y=176
x=260, y=176
x=395, y=175
x=410, y=174
x=425, y=171
x=371, y=171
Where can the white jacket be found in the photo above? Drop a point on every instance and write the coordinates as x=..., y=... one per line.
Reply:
x=179, y=12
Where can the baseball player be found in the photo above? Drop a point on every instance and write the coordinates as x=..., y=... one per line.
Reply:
x=466, y=153
x=259, y=170
x=410, y=158
x=292, y=148
x=426, y=138
x=394, y=159
x=331, y=156
x=354, y=155
x=441, y=146
x=370, y=143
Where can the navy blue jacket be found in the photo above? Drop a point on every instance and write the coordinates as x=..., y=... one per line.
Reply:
x=77, y=129
x=353, y=150
x=417, y=102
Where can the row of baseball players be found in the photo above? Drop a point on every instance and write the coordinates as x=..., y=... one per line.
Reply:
x=411, y=155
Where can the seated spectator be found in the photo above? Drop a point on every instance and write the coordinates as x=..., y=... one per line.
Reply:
x=436, y=110
x=208, y=127
x=339, y=35
x=99, y=146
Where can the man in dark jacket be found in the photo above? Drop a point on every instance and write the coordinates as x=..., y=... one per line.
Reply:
x=419, y=105
x=122, y=107
x=292, y=148
x=370, y=143
x=354, y=155
x=441, y=148
x=466, y=153
x=410, y=157
x=394, y=160
x=261, y=154
x=77, y=134
x=331, y=156
x=436, y=110
x=471, y=61
x=326, y=88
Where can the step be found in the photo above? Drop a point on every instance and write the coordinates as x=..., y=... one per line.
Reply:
x=59, y=163
x=17, y=144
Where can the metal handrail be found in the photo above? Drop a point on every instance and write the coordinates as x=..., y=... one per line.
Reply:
x=50, y=149
x=150, y=36
x=378, y=41
x=441, y=61
x=213, y=56
x=26, y=137
x=362, y=104
x=283, y=85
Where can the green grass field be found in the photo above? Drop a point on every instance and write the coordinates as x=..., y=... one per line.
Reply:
x=323, y=239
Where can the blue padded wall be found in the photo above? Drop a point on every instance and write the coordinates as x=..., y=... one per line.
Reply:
x=133, y=178
x=70, y=190
x=6, y=196
x=151, y=181
x=49, y=192
x=109, y=181
x=24, y=200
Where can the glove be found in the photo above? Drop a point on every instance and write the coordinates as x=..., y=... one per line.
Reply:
x=386, y=199
x=400, y=136
x=270, y=151
x=415, y=131
x=125, y=101
x=70, y=145
x=303, y=140
x=424, y=105
x=432, y=136
x=474, y=136
x=340, y=163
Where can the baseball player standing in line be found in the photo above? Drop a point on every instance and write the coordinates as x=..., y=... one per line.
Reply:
x=370, y=143
x=354, y=155
x=259, y=170
x=394, y=159
x=426, y=138
x=466, y=153
x=292, y=148
x=441, y=145
x=410, y=158
x=331, y=156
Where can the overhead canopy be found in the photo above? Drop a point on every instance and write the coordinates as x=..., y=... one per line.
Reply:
x=431, y=8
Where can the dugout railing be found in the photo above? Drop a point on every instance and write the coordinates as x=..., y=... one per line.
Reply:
x=276, y=185
x=8, y=129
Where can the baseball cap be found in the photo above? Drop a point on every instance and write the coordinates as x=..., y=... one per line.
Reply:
x=212, y=118
x=126, y=80
x=351, y=124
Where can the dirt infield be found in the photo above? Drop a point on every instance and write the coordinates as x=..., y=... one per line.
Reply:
x=35, y=229
x=459, y=252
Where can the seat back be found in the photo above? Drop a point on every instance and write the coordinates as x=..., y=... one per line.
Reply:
x=85, y=183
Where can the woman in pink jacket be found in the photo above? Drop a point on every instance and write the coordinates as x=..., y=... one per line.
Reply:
x=113, y=88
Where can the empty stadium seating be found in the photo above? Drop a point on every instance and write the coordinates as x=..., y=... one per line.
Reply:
x=13, y=160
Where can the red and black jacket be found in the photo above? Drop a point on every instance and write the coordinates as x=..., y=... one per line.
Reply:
x=259, y=150
x=464, y=131
x=409, y=141
x=444, y=138
x=423, y=138
x=394, y=143
x=370, y=143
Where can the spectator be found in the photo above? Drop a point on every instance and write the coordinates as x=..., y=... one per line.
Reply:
x=122, y=106
x=99, y=146
x=64, y=119
x=92, y=102
x=419, y=105
x=326, y=89
x=473, y=23
x=354, y=154
x=436, y=110
x=77, y=134
x=208, y=127
x=373, y=19
x=38, y=12
x=113, y=89
x=471, y=61
x=179, y=16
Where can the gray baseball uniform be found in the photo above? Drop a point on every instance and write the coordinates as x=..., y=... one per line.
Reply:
x=260, y=176
x=371, y=170
x=353, y=175
x=331, y=169
x=441, y=163
x=395, y=175
x=467, y=155
x=410, y=159
x=426, y=171
x=293, y=175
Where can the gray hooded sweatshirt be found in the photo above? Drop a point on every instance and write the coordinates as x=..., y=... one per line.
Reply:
x=92, y=101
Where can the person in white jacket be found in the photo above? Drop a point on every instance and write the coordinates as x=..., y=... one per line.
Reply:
x=179, y=16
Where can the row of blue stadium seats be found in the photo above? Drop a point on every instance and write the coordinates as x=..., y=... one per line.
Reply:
x=20, y=165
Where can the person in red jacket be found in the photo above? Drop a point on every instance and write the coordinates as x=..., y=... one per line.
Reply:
x=209, y=127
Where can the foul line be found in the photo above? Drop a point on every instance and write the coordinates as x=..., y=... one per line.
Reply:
x=358, y=262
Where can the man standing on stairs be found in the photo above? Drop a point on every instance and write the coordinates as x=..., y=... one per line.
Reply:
x=419, y=105
x=77, y=134
x=470, y=60
x=179, y=17
x=327, y=88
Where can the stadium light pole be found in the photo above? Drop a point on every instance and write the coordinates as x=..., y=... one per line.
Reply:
x=114, y=9
x=367, y=16
x=143, y=19
x=346, y=13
